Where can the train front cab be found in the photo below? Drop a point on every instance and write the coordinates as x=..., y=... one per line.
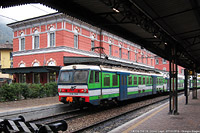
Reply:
x=72, y=86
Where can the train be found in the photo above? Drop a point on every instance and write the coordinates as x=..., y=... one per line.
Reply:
x=99, y=84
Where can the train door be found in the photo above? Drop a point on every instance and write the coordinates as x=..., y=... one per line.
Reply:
x=154, y=84
x=123, y=87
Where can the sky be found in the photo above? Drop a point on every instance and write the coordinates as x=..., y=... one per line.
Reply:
x=17, y=13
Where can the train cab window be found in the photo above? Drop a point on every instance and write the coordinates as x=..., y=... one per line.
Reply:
x=143, y=80
x=96, y=75
x=130, y=81
x=139, y=80
x=135, y=80
x=115, y=80
x=106, y=80
x=91, y=77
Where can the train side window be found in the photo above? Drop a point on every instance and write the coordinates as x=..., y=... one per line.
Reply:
x=150, y=80
x=139, y=80
x=91, y=77
x=130, y=81
x=96, y=76
x=143, y=80
x=147, y=80
x=135, y=80
x=115, y=81
x=106, y=80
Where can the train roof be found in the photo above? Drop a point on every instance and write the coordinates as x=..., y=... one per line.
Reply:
x=111, y=69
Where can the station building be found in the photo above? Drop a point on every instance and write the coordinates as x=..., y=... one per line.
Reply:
x=6, y=59
x=163, y=64
x=40, y=45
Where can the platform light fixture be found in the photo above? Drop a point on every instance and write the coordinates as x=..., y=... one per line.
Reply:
x=154, y=36
x=116, y=10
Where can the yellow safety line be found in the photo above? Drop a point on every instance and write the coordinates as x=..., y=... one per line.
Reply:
x=143, y=120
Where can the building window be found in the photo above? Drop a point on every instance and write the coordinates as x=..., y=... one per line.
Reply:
x=75, y=41
x=129, y=55
x=164, y=68
x=164, y=61
x=136, y=57
x=51, y=37
x=11, y=56
x=142, y=58
x=92, y=45
x=52, y=77
x=22, y=42
x=157, y=62
x=22, y=78
x=151, y=62
x=146, y=60
x=36, y=40
x=36, y=64
x=110, y=50
x=120, y=52
x=36, y=78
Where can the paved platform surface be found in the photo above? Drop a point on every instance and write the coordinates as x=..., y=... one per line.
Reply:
x=159, y=121
x=29, y=103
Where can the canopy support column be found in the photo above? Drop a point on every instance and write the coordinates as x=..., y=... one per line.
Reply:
x=173, y=80
x=194, y=88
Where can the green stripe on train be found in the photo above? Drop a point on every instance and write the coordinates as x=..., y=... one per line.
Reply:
x=104, y=96
x=136, y=92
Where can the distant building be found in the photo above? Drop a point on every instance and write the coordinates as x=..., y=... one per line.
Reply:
x=163, y=64
x=40, y=45
x=6, y=58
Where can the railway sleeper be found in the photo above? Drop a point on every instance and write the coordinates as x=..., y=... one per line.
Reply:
x=19, y=125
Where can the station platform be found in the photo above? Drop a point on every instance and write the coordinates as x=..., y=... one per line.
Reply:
x=29, y=103
x=159, y=121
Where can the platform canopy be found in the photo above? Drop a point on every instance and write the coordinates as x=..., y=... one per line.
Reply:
x=36, y=69
x=157, y=25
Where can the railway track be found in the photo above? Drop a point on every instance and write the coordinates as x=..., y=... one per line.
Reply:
x=101, y=123
x=89, y=118
x=71, y=114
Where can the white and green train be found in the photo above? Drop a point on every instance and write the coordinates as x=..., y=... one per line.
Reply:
x=98, y=84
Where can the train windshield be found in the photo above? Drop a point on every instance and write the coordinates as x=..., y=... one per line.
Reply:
x=77, y=76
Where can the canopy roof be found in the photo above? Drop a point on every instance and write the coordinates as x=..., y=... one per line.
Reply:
x=156, y=25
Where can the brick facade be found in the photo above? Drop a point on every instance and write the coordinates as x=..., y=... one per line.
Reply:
x=65, y=28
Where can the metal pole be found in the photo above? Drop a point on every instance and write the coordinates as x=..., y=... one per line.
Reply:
x=186, y=85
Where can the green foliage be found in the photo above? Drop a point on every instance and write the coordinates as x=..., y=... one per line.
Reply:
x=7, y=93
x=51, y=89
x=36, y=91
x=17, y=91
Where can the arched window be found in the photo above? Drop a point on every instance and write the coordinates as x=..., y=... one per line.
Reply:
x=51, y=37
x=36, y=64
x=22, y=42
x=76, y=38
x=110, y=46
x=35, y=40
x=22, y=65
x=92, y=42
x=51, y=63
